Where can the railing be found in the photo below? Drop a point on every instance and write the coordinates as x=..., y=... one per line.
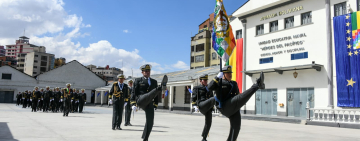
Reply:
x=334, y=115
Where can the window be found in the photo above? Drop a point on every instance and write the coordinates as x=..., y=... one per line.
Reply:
x=266, y=60
x=6, y=76
x=306, y=18
x=239, y=34
x=192, y=59
x=273, y=26
x=36, y=55
x=340, y=9
x=199, y=58
x=35, y=67
x=260, y=29
x=187, y=95
x=192, y=48
x=35, y=61
x=23, y=55
x=299, y=56
x=174, y=95
x=34, y=72
x=199, y=67
x=44, y=58
x=200, y=37
x=110, y=72
x=289, y=22
x=42, y=69
x=43, y=63
x=21, y=65
x=213, y=56
x=199, y=47
x=205, y=26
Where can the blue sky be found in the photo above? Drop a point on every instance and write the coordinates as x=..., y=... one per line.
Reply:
x=156, y=28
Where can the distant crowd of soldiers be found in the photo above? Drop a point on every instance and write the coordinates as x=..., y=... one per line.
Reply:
x=52, y=100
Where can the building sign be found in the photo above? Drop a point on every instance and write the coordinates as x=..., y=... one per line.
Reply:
x=282, y=45
x=280, y=13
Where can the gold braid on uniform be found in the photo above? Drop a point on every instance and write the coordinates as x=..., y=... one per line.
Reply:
x=116, y=92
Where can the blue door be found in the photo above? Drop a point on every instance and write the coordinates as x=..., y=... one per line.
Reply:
x=297, y=98
x=266, y=102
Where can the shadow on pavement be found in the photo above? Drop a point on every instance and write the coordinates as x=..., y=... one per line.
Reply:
x=5, y=133
x=153, y=126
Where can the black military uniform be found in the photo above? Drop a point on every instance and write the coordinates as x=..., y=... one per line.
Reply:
x=144, y=95
x=82, y=100
x=24, y=95
x=35, y=96
x=232, y=100
x=204, y=99
x=47, y=95
x=77, y=98
x=18, y=99
x=57, y=97
x=120, y=91
x=128, y=106
x=41, y=99
x=61, y=103
x=68, y=92
x=73, y=104
x=29, y=94
x=52, y=101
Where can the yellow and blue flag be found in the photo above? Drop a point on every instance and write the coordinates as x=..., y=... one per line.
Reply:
x=347, y=56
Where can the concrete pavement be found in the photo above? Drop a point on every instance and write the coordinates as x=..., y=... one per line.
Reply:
x=21, y=124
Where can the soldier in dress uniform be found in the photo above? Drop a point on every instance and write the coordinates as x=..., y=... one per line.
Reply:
x=41, y=98
x=67, y=99
x=144, y=95
x=128, y=105
x=29, y=95
x=47, y=95
x=57, y=97
x=24, y=95
x=82, y=100
x=35, y=96
x=52, y=100
x=18, y=99
x=120, y=90
x=73, y=100
x=77, y=98
x=62, y=99
x=229, y=100
x=203, y=100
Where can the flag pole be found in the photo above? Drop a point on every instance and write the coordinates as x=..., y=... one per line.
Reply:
x=220, y=86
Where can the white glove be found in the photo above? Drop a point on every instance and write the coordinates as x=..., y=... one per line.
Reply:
x=125, y=104
x=220, y=75
x=196, y=108
x=71, y=100
x=30, y=99
x=85, y=102
x=110, y=101
x=41, y=98
x=61, y=100
x=38, y=100
x=134, y=108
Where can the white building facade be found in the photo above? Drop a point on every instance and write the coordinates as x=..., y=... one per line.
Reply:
x=288, y=40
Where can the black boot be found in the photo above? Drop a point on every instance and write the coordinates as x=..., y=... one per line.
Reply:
x=118, y=127
x=260, y=81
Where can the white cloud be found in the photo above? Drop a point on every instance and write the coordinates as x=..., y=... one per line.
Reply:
x=45, y=21
x=181, y=65
x=126, y=31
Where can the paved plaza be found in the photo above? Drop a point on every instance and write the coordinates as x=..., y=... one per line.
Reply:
x=95, y=124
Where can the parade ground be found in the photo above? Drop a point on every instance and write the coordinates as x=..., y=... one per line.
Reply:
x=18, y=124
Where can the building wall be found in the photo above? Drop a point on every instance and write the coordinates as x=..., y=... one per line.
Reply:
x=73, y=73
x=30, y=64
x=19, y=81
x=315, y=43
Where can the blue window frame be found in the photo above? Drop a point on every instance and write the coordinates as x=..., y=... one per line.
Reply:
x=266, y=60
x=299, y=56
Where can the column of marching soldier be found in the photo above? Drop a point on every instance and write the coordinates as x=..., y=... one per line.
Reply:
x=52, y=100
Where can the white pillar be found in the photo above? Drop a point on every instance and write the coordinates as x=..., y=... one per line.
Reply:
x=192, y=87
x=95, y=94
x=101, y=96
x=170, y=98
